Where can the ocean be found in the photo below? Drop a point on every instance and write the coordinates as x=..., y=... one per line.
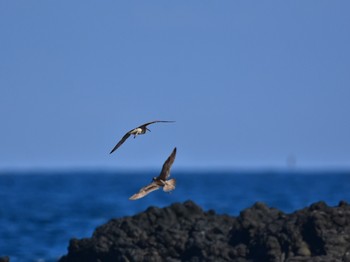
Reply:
x=41, y=211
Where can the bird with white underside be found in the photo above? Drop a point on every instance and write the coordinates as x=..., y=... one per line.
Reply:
x=140, y=130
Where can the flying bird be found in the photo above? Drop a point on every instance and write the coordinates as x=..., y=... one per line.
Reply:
x=140, y=130
x=160, y=181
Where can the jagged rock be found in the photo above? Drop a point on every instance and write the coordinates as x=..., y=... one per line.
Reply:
x=184, y=232
x=4, y=259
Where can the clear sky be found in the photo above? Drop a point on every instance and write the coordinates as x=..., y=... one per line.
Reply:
x=251, y=84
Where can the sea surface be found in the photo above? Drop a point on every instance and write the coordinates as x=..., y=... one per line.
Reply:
x=41, y=211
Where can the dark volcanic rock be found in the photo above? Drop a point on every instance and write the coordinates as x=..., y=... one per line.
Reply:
x=4, y=259
x=184, y=232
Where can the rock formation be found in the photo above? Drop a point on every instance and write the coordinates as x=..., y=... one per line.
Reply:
x=184, y=232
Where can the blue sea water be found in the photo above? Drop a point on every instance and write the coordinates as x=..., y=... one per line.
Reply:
x=40, y=212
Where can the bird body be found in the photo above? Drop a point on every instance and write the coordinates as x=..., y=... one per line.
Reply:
x=140, y=130
x=137, y=131
x=160, y=181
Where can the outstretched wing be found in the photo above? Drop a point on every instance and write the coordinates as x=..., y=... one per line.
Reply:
x=145, y=191
x=156, y=121
x=120, y=142
x=165, y=173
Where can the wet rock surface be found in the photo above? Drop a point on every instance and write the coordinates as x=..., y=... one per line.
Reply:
x=184, y=232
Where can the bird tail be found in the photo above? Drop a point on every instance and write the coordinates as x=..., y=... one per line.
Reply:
x=169, y=185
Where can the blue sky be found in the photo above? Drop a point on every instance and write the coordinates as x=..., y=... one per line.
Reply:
x=250, y=84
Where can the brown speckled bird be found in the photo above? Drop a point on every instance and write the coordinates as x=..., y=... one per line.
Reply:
x=160, y=181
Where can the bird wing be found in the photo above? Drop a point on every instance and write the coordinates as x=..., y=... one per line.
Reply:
x=156, y=121
x=145, y=191
x=121, y=142
x=165, y=173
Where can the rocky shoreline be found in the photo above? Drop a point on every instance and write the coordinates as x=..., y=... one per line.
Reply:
x=184, y=232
